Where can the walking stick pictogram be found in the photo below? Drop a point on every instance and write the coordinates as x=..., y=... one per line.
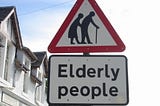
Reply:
x=96, y=35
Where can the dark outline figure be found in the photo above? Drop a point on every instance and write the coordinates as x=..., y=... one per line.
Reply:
x=84, y=27
x=72, y=34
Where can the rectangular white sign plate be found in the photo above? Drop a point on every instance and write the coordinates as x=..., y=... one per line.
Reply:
x=92, y=80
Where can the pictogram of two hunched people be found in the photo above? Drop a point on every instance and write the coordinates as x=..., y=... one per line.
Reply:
x=73, y=35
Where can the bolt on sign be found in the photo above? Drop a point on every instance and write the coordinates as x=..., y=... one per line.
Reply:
x=93, y=80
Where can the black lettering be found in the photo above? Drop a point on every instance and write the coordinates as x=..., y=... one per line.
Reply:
x=85, y=91
x=115, y=74
x=106, y=71
x=61, y=70
x=62, y=91
x=71, y=71
x=113, y=91
x=104, y=90
x=91, y=72
x=81, y=72
x=96, y=91
x=74, y=91
x=99, y=72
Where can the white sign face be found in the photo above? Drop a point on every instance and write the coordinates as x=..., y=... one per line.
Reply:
x=90, y=79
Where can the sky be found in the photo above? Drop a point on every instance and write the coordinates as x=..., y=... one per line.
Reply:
x=137, y=22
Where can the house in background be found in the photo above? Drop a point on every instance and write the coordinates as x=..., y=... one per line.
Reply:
x=39, y=74
x=23, y=73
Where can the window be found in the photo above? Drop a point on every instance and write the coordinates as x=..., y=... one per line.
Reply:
x=27, y=64
x=2, y=54
x=9, y=57
x=36, y=76
x=25, y=83
x=6, y=64
x=39, y=88
x=1, y=42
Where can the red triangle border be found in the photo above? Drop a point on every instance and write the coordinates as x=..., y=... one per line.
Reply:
x=52, y=48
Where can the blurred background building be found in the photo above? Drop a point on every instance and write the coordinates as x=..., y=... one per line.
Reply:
x=23, y=73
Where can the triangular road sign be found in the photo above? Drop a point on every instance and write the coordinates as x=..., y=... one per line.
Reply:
x=86, y=29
